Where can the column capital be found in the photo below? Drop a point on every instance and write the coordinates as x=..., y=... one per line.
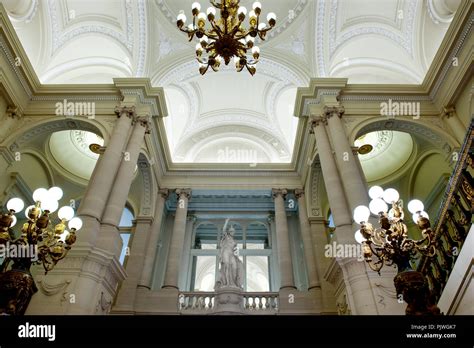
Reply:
x=299, y=193
x=128, y=111
x=13, y=112
x=330, y=111
x=183, y=193
x=316, y=121
x=143, y=121
x=279, y=192
x=164, y=193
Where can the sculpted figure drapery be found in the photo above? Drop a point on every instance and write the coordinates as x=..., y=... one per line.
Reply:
x=231, y=269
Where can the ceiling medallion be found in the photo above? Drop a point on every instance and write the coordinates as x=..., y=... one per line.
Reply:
x=227, y=38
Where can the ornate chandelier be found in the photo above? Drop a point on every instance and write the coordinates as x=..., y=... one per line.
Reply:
x=38, y=242
x=389, y=244
x=227, y=38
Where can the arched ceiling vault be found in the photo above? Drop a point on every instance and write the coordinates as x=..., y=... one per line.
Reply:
x=367, y=41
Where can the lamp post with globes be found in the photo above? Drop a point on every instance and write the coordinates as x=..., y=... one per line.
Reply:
x=389, y=245
x=37, y=243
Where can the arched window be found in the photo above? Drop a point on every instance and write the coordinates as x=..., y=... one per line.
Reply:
x=125, y=228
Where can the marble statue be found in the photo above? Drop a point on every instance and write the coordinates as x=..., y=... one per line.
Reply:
x=231, y=270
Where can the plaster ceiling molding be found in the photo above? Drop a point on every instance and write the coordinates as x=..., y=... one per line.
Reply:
x=242, y=118
x=320, y=43
x=48, y=127
x=226, y=148
x=181, y=103
x=403, y=38
x=87, y=70
x=21, y=10
x=467, y=31
x=283, y=114
x=61, y=35
x=11, y=60
x=382, y=71
x=233, y=116
x=296, y=44
x=287, y=11
x=142, y=38
x=167, y=45
x=308, y=102
x=262, y=94
x=424, y=131
x=266, y=139
x=120, y=29
x=442, y=11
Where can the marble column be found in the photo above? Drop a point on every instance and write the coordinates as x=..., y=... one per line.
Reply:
x=184, y=269
x=109, y=238
x=353, y=182
x=127, y=292
x=332, y=180
x=154, y=235
x=358, y=285
x=177, y=240
x=102, y=179
x=283, y=241
x=100, y=184
x=274, y=257
x=319, y=237
x=312, y=270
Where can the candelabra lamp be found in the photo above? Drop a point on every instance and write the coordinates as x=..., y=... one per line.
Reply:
x=38, y=242
x=389, y=245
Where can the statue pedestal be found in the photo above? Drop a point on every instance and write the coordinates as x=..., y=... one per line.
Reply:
x=229, y=301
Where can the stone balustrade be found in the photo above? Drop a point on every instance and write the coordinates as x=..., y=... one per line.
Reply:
x=197, y=302
x=261, y=302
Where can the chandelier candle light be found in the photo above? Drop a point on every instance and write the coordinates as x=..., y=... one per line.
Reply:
x=50, y=245
x=227, y=38
x=390, y=245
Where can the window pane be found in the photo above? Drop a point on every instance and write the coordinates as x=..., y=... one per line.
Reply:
x=205, y=274
x=208, y=246
x=206, y=236
x=126, y=219
x=255, y=246
x=125, y=240
x=257, y=233
x=257, y=274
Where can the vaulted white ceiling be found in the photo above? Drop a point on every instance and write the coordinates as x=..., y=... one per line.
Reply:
x=229, y=116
